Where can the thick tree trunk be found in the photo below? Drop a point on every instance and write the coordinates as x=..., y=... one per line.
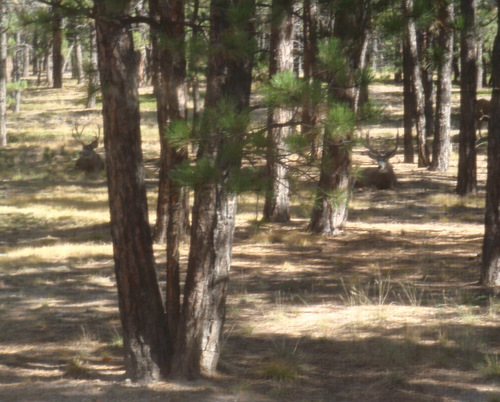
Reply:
x=198, y=347
x=3, y=75
x=442, y=143
x=422, y=148
x=490, y=273
x=277, y=203
x=139, y=297
x=409, y=107
x=329, y=212
x=467, y=179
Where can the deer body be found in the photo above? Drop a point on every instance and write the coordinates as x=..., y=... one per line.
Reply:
x=482, y=113
x=382, y=177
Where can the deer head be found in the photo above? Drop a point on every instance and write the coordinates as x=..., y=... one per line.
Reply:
x=383, y=176
x=89, y=160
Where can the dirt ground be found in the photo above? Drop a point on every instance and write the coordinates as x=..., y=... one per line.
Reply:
x=388, y=311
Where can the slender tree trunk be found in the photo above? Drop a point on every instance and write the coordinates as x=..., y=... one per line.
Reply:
x=78, y=59
x=277, y=203
x=442, y=143
x=308, y=127
x=48, y=68
x=171, y=92
x=422, y=148
x=203, y=313
x=139, y=297
x=467, y=179
x=57, y=59
x=92, y=73
x=479, y=60
x=490, y=273
x=426, y=39
x=3, y=74
x=409, y=107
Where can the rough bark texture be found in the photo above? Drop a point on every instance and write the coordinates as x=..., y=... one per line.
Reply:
x=490, y=274
x=171, y=95
x=329, y=212
x=467, y=176
x=418, y=92
x=409, y=108
x=442, y=143
x=277, y=203
x=198, y=347
x=139, y=297
x=3, y=76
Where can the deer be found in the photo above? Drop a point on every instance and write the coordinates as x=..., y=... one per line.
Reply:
x=382, y=176
x=482, y=113
x=89, y=160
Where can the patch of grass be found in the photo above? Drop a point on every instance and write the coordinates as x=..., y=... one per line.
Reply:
x=116, y=340
x=76, y=368
x=491, y=367
x=284, y=365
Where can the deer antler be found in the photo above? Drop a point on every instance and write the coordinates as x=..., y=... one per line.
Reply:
x=374, y=154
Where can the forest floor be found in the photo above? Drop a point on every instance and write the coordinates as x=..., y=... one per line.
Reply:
x=388, y=311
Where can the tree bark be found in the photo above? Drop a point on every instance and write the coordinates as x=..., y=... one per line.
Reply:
x=57, y=59
x=309, y=120
x=139, y=297
x=3, y=74
x=409, y=107
x=467, y=176
x=198, y=347
x=171, y=95
x=442, y=143
x=277, y=202
x=78, y=59
x=490, y=273
x=422, y=148
x=92, y=73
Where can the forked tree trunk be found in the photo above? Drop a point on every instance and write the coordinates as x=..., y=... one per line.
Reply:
x=198, y=347
x=171, y=94
x=139, y=297
x=467, y=176
x=277, y=203
x=442, y=142
x=418, y=93
x=490, y=273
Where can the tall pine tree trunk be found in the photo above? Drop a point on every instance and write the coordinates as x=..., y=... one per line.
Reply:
x=442, y=143
x=409, y=106
x=490, y=273
x=228, y=80
x=418, y=93
x=467, y=179
x=139, y=297
x=277, y=203
x=57, y=58
x=92, y=72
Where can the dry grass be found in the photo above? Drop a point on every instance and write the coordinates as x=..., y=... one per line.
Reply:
x=389, y=311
